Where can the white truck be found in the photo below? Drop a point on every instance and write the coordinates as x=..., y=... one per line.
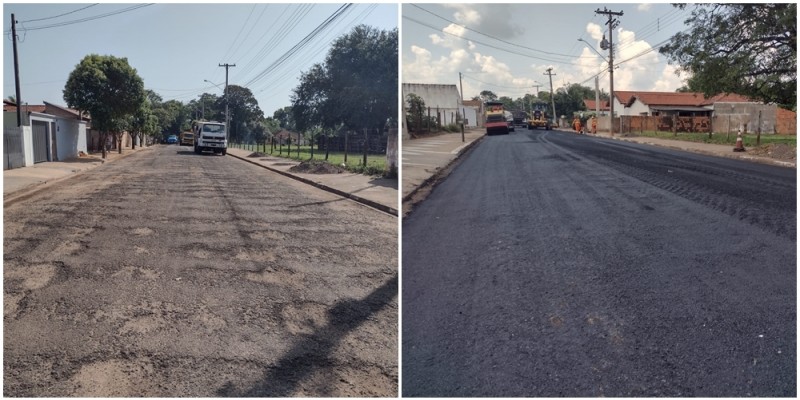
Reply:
x=210, y=135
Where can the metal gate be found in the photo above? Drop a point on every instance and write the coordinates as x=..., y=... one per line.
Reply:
x=39, y=141
x=13, y=148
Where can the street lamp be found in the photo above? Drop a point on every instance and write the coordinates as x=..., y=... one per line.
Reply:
x=596, y=81
x=593, y=49
x=225, y=91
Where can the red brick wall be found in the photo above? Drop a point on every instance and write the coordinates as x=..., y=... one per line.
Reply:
x=786, y=122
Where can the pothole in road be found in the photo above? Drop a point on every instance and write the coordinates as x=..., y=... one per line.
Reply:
x=268, y=235
x=132, y=273
x=32, y=276
x=304, y=318
x=68, y=248
x=256, y=255
x=112, y=378
x=143, y=232
x=275, y=276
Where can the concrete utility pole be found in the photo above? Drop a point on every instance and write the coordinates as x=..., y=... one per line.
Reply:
x=552, y=95
x=461, y=87
x=16, y=69
x=612, y=24
x=597, y=96
x=227, y=118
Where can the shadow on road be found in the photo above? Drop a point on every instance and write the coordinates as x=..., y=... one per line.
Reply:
x=312, y=351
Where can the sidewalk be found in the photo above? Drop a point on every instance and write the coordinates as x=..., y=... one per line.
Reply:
x=20, y=182
x=717, y=150
x=378, y=193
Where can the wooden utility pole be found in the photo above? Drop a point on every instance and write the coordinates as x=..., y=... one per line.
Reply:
x=552, y=95
x=16, y=69
x=612, y=23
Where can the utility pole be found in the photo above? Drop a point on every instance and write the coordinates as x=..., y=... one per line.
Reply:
x=552, y=95
x=461, y=86
x=530, y=109
x=597, y=96
x=612, y=24
x=16, y=69
x=227, y=118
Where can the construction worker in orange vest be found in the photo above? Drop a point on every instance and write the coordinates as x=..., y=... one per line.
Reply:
x=594, y=125
x=576, y=124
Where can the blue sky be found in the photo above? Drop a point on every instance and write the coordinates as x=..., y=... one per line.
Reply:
x=175, y=47
x=436, y=46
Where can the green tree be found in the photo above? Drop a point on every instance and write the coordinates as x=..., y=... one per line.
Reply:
x=487, y=95
x=245, y=114
x=141, y=122
x=312, y=101
x=748, y=49
x=416, y=111
x=108, y=88
x=508, y=103
x=284, y=118
x=206, y=107
x=362, y=68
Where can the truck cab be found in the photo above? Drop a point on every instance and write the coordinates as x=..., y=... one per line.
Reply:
x=210, y=135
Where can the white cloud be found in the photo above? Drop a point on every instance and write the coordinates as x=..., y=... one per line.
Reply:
x=491, y=19
x=669, y=80
x=644, y=7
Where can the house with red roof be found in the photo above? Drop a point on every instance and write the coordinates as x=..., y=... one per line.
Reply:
x=725, y=112
x=683, y=104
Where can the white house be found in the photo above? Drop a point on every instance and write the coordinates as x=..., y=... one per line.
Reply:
x=442, y=99
x=42, y=137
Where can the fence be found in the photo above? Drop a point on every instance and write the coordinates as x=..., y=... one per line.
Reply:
x=13, y=148
x=725, y=123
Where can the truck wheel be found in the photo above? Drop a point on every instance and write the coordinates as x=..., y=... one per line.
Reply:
x=224, y=151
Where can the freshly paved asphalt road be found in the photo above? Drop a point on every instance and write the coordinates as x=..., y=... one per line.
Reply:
x=171, y=274
x=551, y=264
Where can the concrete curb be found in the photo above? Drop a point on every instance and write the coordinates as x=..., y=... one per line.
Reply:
x=437, y=175
x=367, y=202
x=34, y=188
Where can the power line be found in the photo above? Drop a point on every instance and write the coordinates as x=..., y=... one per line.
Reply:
x=294, y=19
x=247, y=36
x=77, y=21
x=322, y=44
x=490, y=36
x=299, y=45
x=495, y=85
x=59, y=15
x=240, y=31
x=492, y=46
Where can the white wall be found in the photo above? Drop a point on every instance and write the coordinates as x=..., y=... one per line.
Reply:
x=27, y=137
x=637, y=108
x=70, y=138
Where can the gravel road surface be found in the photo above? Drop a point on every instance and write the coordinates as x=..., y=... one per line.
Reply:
x=172, y=274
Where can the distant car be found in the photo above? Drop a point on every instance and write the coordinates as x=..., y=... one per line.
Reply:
x=187, y=138
x=172, y=139
x=510, y=124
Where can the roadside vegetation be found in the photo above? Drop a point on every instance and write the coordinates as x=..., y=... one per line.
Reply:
x=722, y=138
x=376, y=163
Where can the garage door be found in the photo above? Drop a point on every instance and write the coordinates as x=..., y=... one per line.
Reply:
x=39, y=141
